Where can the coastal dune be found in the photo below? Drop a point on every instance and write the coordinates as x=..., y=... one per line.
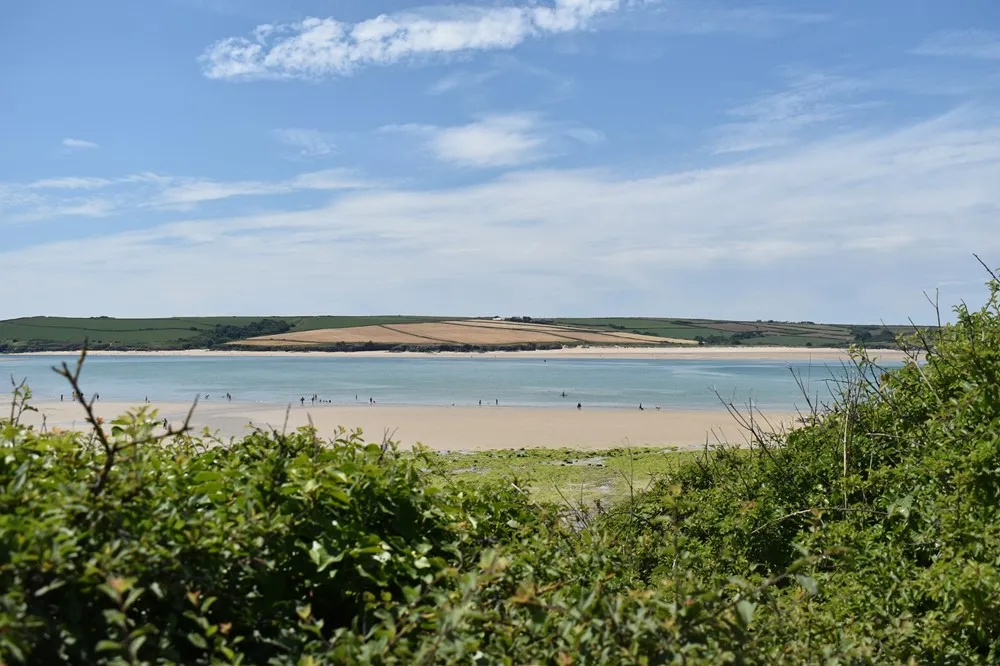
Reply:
x=450, y=428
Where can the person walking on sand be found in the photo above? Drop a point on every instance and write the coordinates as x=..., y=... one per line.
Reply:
x=302, y=401
x=498, y=402
x=640, y=406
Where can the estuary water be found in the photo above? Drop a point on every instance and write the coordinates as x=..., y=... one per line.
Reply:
x=444, y=380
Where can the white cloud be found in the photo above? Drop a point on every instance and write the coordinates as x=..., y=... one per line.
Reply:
x=306, y=142
x=321, y=47
x=498, y=140
x=494, y=141
x=78, y=143
x=983, y=44
x=775, y=119
x=854, y=226
x=586, y=135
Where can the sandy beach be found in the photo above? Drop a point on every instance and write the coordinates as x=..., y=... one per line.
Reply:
x=681, y=353
x=449, y=428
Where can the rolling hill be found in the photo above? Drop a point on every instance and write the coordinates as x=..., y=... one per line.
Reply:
x=349, y=333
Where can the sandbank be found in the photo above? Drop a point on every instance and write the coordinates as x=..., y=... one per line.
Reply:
x=449, y=428
x=748, y=353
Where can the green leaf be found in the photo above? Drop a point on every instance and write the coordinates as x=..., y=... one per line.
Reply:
x=108, y=646
x=745, y=611
x=197, y=640
x=54, y=585
x=135, y=645
x=808, y=583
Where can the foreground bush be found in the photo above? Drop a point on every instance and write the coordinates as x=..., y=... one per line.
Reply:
x=870, y=536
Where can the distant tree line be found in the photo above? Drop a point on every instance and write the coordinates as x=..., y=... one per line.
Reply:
x=223, y=333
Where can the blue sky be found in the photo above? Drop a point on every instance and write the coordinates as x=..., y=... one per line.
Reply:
x=828, y=161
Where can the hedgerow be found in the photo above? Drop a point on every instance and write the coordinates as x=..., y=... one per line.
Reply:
x=870, y=535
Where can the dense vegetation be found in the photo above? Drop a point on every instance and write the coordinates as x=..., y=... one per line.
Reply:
x=872, y=535
x=223, y=333
x=106, y=333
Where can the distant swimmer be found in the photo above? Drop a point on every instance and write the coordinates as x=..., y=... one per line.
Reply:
x=498, y=402
x=480, y=403
x=579, y=406
x=564, y=394
x=302, y=401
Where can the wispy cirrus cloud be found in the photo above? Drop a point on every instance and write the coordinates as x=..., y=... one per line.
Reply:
x=325, y=47
x=79, y=196
x=982, y=44
x=79, y=144
x=777, y=118
x=707, y=17
x=189, y=192
x=306, y=142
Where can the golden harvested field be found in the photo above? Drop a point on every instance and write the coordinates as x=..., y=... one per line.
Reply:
x=574, y=333
x=467, y=332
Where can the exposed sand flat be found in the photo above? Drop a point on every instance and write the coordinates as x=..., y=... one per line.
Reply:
x=452, y=428
x=747, y=353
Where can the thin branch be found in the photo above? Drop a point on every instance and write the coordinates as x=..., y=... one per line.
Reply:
x=818, y=509
x=110, y=450
x=988, y=269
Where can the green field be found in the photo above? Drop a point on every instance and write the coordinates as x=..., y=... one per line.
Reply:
x=560, y=475
x=38, y=333
x=727, y=332
x=65, y=333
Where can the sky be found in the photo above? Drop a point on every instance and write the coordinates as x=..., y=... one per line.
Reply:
x=795, y=160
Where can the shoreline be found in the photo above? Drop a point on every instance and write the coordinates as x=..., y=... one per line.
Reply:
x=750, y=353
x=441, y=428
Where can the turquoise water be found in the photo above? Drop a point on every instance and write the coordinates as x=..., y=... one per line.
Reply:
x=520, y=381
